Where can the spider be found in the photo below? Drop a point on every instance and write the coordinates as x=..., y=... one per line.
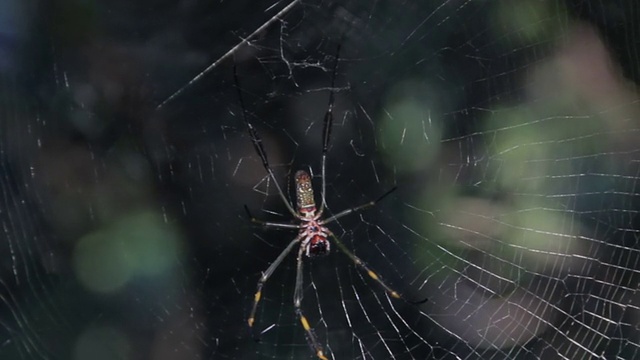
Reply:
x=313, y=236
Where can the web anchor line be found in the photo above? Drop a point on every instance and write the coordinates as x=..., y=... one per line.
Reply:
x=244, y=41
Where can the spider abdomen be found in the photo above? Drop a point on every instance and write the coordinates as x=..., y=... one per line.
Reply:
x=304, y=193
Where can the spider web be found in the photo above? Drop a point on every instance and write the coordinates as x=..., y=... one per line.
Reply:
x=509, y=129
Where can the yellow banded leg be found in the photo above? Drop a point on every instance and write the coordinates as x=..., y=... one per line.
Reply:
x=265, y=276
x=256, y=300
x=297, y=303
x=311, y=337
x=356, y=260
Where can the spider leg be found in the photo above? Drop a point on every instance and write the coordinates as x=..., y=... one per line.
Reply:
x=371, y=273
x=297, y=301
x=265, y=276
x=326, y=132
x=257, y=144
x=357, y=208
x=269, y=224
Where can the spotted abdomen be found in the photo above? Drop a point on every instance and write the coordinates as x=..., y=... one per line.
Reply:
x=304, y=193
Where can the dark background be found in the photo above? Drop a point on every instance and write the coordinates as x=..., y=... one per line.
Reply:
x=510, y=128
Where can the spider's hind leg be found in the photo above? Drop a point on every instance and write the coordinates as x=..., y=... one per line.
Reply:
x=269, y=224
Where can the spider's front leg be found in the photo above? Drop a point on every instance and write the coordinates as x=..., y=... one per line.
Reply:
x=265, y=276
x=297, y=302
x=372, y=274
